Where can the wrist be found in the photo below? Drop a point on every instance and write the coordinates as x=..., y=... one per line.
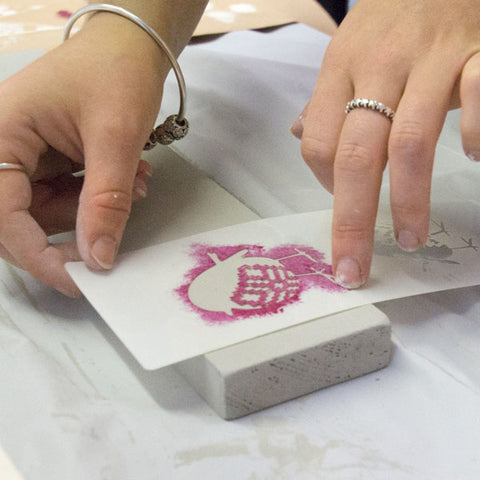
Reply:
x=119, y=39
x=173, y=21
x=149, y=11
x=175, y=127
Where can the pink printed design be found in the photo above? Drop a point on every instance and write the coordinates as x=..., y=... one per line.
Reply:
x=239, y=281
x=261, y=285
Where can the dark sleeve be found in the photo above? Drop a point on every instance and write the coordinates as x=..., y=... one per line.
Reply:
x=336, y=8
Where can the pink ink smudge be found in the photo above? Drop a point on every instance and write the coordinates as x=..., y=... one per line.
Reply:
x=64, y=14
x=261, y=281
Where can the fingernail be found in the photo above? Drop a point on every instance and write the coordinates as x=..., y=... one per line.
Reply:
x=148, y=170
x=407, y=241
x=144, y=168
x=473, y=157
x=104, y=251
x=139, y=188
x=348, y=273
x=297, y=127
x=140, y=192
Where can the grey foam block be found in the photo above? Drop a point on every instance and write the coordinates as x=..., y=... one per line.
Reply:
x=253, y=375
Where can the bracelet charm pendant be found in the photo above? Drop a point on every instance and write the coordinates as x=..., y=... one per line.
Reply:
x=170, y=130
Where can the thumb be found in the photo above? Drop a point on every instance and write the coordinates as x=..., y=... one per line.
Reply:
x=111, y=160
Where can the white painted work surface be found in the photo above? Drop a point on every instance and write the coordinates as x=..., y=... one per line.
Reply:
x=7, y=470
x=75, y=405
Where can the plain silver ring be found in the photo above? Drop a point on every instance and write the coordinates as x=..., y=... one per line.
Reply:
x=372, y=105
x=12, y=166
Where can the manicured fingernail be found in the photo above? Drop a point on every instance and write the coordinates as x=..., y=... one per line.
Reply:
x=104, y=251
x=348, y=273
x=297, y=127
x=407, y=241
x=473, y=157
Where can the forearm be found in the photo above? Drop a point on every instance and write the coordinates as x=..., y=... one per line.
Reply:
x=173, y=20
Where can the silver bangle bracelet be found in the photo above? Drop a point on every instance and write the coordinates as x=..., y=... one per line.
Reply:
x=175, y=127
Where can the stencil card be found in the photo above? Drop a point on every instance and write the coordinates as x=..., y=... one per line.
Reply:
x=185, y=298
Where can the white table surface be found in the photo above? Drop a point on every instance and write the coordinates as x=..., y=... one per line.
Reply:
x=75, y=405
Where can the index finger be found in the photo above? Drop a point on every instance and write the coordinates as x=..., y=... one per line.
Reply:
x=26, y=242
x=359, y=163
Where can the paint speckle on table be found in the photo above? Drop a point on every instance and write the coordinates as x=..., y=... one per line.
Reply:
x=64, y=14
x=232, y=282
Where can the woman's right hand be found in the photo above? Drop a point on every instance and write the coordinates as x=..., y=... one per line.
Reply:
x=91, y=101
x=420, y=59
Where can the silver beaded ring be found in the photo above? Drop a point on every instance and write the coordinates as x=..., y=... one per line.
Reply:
x=372, y=105
x=175, y=127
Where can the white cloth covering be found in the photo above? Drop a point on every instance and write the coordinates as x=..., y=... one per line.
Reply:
x=75, y=405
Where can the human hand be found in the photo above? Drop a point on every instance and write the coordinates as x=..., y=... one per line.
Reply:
x=419, y=58
x=92, y=101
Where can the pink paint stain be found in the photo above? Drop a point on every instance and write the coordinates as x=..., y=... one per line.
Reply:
x=239, y=281
x=64, y=14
